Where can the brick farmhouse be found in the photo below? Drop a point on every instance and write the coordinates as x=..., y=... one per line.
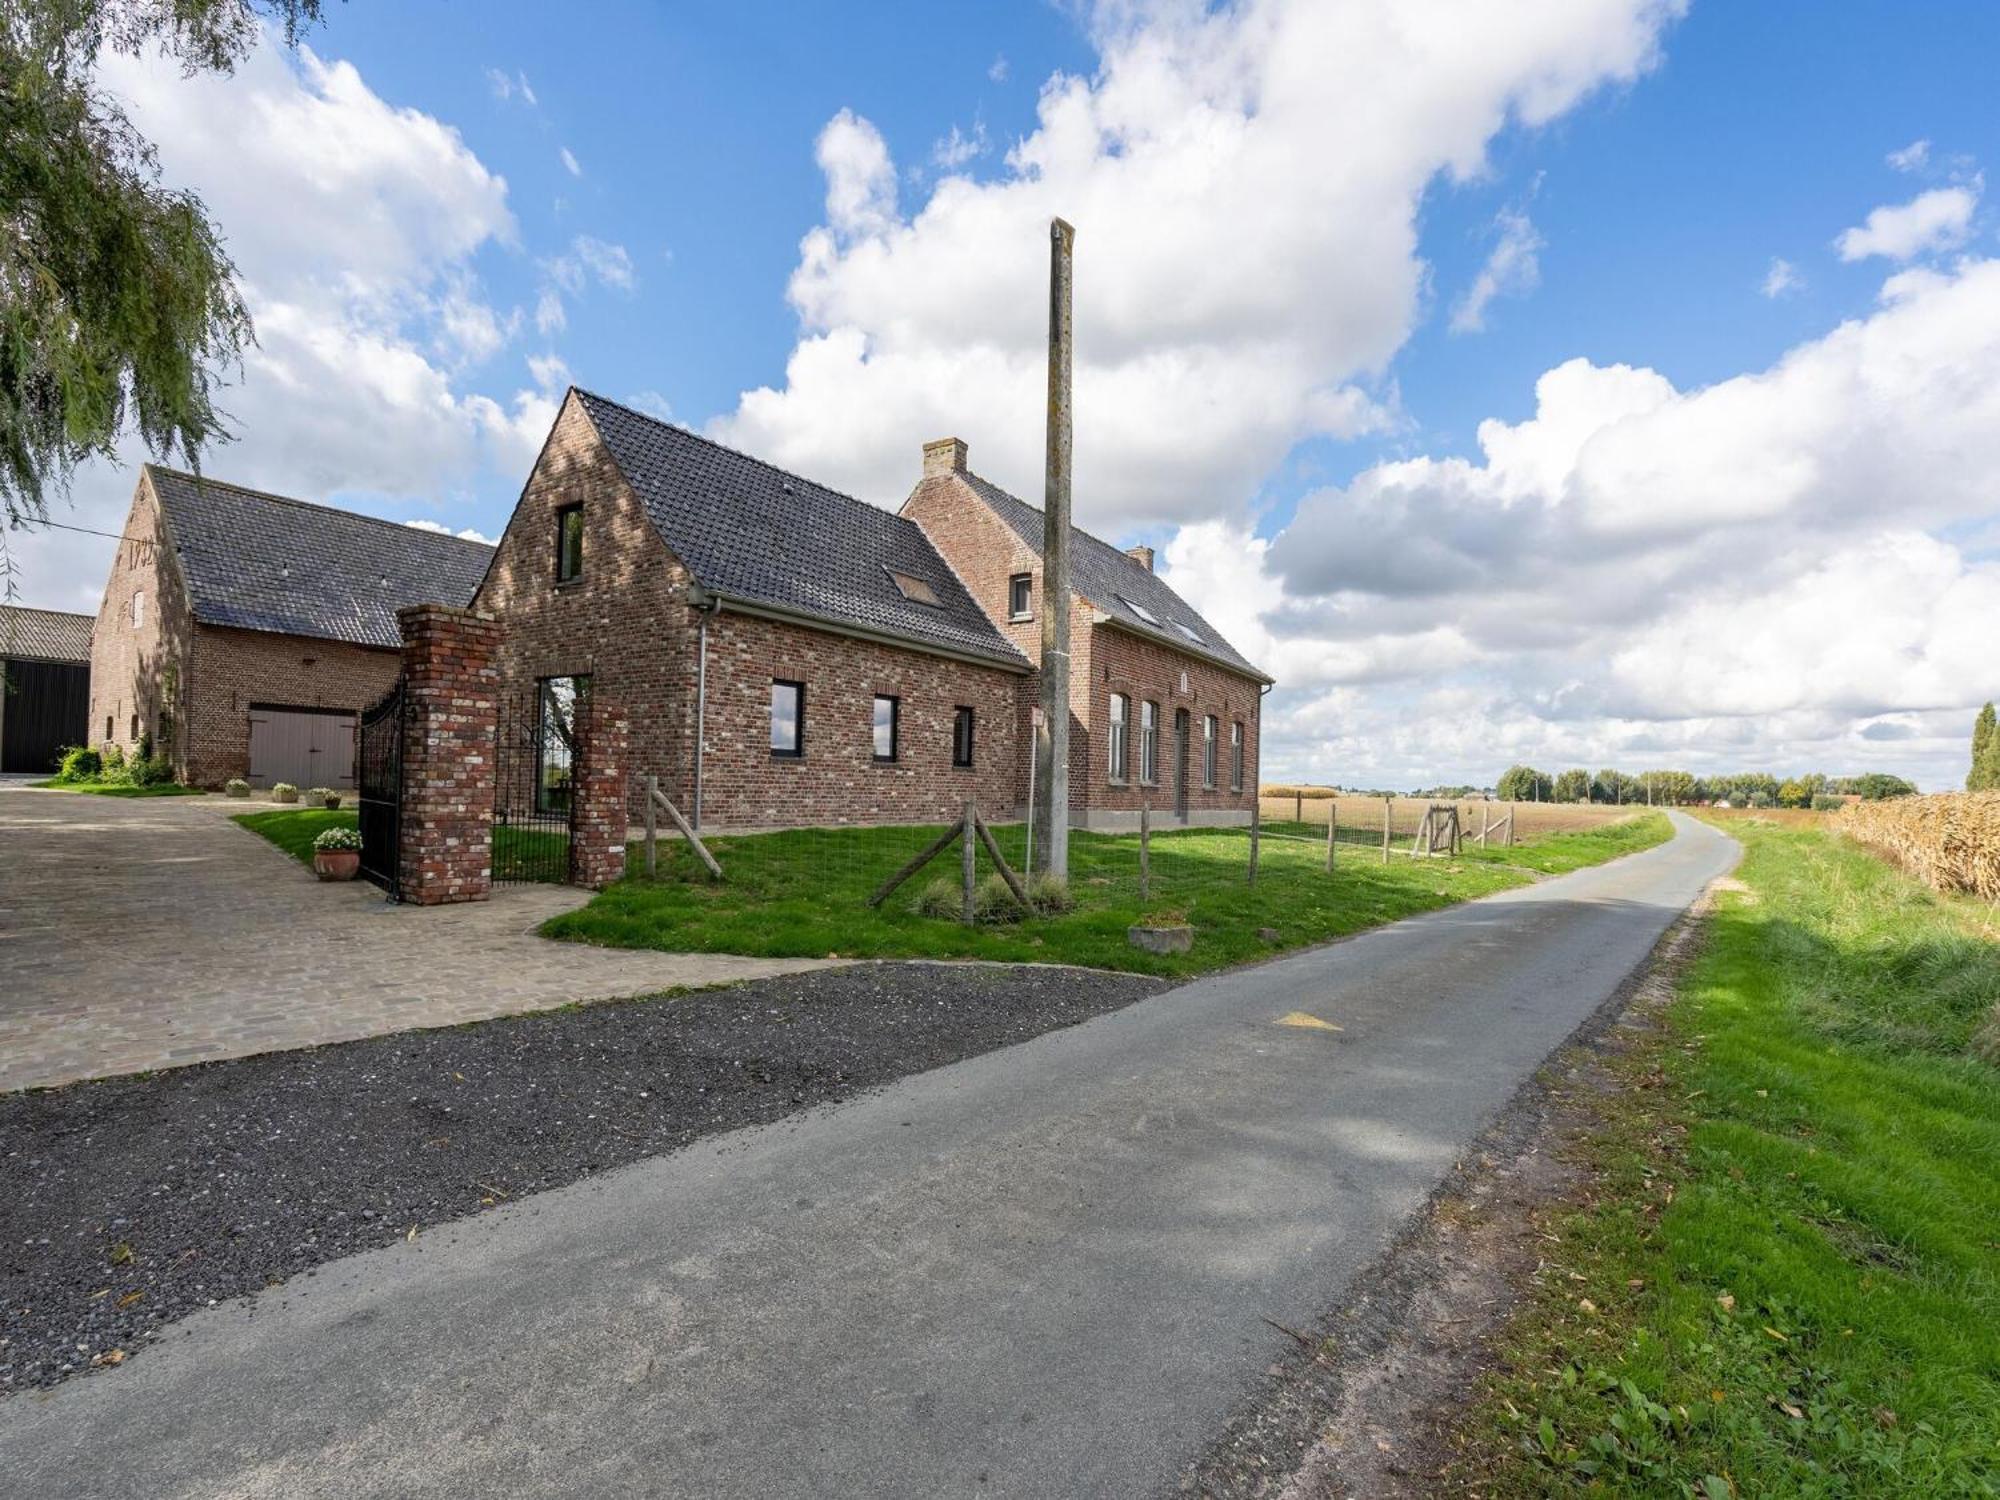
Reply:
x=241, y=633
x=787, y=655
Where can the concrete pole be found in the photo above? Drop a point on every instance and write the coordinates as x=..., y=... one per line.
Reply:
x=1052, y=737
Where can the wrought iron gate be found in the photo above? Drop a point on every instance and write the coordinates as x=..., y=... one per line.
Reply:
x=378, y=778
x=535, y=756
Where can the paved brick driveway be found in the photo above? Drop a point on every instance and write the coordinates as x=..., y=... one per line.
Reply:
x=147, y=933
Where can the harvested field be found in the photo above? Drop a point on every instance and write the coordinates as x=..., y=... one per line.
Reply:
x=1311, y=805
x=1950, y=841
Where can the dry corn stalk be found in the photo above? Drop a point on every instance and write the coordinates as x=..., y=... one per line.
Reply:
x=1951, y=841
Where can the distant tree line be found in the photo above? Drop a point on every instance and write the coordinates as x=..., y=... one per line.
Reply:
x=1985, y=773
x=1680, y=788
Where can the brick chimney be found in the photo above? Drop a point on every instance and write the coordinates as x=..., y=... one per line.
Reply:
x=945, y=456
x=1143, y=556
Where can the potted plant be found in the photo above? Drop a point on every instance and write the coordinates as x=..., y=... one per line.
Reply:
x=236, y=786
x=1161, y=932
x=337, y=854
x=284, y=791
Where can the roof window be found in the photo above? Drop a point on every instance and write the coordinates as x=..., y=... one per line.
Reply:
x=1140, y=610
x=914, y=589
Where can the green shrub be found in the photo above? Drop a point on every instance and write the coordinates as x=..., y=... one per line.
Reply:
x=993, y=902
x=146, y=771
x=1049, y=894
x=236, y=786
x=939, y=899
x=338, y=838
x=80, y=763
x=114, y=758
x=284, y=791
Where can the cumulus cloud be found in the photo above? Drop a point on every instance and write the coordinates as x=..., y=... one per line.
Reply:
x=355, y=225
x=1940, y=219
x=1511, y=270
x=1761, y=571
x=1205, y=350
x=1782, y=279
x=464, y=533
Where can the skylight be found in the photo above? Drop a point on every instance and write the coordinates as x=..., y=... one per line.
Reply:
x=1190, y=632
x=1140, y=610
x=914, y=589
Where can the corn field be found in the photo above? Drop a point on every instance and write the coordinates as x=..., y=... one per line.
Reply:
x=1950, y=841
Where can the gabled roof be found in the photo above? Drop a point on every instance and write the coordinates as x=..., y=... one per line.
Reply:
x=754, y=534
x=1118, y=585
x=262, y=562
x=47, y=634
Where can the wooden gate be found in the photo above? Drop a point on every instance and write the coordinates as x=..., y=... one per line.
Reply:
x=379, y=775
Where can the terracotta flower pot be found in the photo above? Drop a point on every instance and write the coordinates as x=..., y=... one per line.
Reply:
x=336, y=864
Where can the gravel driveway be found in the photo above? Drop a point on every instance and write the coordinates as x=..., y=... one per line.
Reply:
x=133, y=1201
x=151, y=932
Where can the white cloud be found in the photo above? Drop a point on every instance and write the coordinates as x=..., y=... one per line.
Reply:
x=996, y=71
x=1782, y=279
x=1940, y=219
x=653, y=404
x=570, y=163
x=1912, y=158
x=1759, y=572
x=355, y=225
x=1245, y=183
x=1512, y=270
x=464, y=533
x=958, y=148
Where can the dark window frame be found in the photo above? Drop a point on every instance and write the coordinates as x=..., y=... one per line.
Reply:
x=563, y=513
x=1025, y=583
x=798, y=746
x=964, y=729
x=895, y=703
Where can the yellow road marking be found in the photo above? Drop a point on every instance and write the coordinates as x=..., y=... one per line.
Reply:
x=1312, y=1023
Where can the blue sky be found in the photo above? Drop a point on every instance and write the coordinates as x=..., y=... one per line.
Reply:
x=754, y=217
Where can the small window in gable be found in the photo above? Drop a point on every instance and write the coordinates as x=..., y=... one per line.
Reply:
x=914, y=589
x=569, y=543
x=138, y=609
x=1021, y=597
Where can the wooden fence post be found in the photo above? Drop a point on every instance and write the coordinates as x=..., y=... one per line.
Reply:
x=1298, y=807
x=652, y=828
x=1385, y=829
x=1512, y=809
x=967, y=859
x=1485, y=814
x=1145, y=848
x=1332, y=821
x=1256, y=821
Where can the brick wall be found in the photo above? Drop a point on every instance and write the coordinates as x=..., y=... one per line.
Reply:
x=625, y=622
x=202, y=679
x=985, y=553
x=838, y=780
x=142, y=670
x=446, y=818
x=598, y=820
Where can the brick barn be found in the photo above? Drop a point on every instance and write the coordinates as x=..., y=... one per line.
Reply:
x=787, y=655
x=44, y=686
x=241, y=633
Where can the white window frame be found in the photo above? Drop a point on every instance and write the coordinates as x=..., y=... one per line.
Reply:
x=1210, y=740
x=1118, y=718
x=1236, y=755
x=1149, y=742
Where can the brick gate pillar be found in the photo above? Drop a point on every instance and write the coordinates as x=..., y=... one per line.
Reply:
x=599, y=820
x=451, y=713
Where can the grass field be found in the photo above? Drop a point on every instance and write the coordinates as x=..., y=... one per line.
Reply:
x=803, y=893
x=1785, y=1276
x=120, y=789
x=518, y=853
x=1360, y=818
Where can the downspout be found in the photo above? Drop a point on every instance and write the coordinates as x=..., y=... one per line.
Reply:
x=1257, y=782
x=713, y=607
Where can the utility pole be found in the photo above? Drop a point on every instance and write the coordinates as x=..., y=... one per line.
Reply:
x=1052, y=735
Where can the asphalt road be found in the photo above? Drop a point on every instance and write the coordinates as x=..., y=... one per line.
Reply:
x=1040, y=1272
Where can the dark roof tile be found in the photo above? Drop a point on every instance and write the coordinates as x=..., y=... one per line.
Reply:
x=47, y=634
x=752, y=532
x=263, y=562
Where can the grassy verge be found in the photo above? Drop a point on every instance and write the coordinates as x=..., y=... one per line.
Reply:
x=294, y=829
x=518, y=853
x=1785, y=1278
x=803, y=893
x=120, y=788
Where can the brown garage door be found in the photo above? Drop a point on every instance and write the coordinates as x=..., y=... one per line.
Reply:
x=305, y=746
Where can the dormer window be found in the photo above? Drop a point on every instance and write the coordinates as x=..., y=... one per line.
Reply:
x=569, y=543
x=1021, y=597
x=914, y=589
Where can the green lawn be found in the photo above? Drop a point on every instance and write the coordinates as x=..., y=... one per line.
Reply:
x=1792, y=1250
x=121, y=789
x=803, y=894
x=518, y=853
